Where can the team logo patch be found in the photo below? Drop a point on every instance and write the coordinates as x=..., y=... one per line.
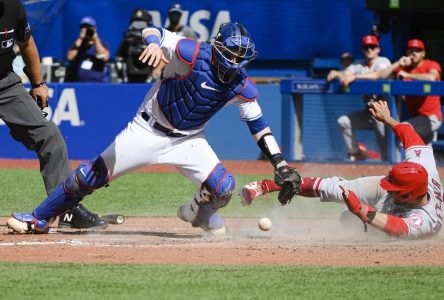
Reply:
x=7, y=43
x=417, y=153
x=27, y=29
x=415, y=220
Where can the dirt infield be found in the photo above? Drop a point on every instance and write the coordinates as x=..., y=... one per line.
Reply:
x=168, y=240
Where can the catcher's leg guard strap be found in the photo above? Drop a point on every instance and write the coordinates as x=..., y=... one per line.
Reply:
x=88, y=177
x=220, y=184
x=216, y=192
x=81, y=182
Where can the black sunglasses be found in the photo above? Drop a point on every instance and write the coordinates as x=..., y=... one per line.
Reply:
x=415, y=50
x=372, y=47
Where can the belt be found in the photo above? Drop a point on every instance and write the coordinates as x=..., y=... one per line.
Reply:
x=159, y=127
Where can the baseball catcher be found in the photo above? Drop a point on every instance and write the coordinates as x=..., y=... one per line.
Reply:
x=196, y=81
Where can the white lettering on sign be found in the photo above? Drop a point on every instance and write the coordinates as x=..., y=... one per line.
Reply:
x=67, y=109
x=196, y=21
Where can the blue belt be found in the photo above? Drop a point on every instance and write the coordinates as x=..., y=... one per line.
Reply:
x=159, y=127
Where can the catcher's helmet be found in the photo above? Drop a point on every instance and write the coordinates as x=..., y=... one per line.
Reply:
x=233, y=49
x=408, y=178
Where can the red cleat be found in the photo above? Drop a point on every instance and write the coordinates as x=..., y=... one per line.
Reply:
x=251, y=191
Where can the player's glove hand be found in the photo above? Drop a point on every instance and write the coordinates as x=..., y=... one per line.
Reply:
x=290, y=181
x=365, y=212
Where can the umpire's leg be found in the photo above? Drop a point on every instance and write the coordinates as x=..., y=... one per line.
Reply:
x=28, y=125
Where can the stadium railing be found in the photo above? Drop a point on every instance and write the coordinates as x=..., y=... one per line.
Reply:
x=302, y=125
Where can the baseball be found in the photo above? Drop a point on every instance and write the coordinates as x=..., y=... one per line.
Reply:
x=265, y=224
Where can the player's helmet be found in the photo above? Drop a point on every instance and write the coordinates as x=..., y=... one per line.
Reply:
x=233, y=49
x=408, y=178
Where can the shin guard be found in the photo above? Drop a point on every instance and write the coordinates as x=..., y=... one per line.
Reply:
x=88, y=177
x=55, y=204
x=215, y=193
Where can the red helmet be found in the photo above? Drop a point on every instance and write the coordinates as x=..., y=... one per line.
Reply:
x=408, y=178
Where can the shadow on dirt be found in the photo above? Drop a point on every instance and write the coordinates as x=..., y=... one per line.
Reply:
x=170, y=235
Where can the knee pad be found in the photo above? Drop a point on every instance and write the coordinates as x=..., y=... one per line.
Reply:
x=220, y=184
x=88, y=177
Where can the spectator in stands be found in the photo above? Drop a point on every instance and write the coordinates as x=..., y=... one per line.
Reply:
x=128, y=66
x=174, y=14
x=362, y=119
x=424, y=111
x=88, y=55
x=346, y=60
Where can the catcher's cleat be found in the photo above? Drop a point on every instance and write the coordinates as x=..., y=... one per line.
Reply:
x=80, y=217
x=214, y=226
x=251, y=191
x=27, y=223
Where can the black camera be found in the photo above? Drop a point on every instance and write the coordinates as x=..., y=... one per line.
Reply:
x=89, y=33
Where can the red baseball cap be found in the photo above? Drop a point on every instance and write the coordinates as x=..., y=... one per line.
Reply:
x=415, y=43
x=370, y=40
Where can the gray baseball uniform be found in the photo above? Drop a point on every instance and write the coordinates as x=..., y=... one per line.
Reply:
x=421, y=221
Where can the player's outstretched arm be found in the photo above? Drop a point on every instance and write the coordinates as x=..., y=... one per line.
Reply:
x=380, y=111
x=285, y=176
x=404, y=132
x=393, y=226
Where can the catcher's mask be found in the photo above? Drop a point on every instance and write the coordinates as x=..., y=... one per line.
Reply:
x=409, y=179
x=233, y=49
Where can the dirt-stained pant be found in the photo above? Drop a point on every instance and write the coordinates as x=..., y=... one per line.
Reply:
x=367, y=189
x=28, y=125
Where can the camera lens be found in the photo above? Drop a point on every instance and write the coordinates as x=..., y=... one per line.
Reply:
x=89, y=32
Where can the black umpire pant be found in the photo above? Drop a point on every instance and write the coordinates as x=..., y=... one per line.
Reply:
x=28, y=125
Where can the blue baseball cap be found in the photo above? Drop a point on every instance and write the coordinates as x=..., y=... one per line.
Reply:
x=175, y=7
x=88, y=21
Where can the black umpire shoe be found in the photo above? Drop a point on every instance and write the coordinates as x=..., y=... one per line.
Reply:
x=80, y=217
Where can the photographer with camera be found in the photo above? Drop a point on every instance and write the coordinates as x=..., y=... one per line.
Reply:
x=128, y=66
x=88, y=55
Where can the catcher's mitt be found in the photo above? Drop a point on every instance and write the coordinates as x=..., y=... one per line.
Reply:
x=290, y=181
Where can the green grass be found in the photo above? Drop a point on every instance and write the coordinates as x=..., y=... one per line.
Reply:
x=103, y=281
x=149, y=194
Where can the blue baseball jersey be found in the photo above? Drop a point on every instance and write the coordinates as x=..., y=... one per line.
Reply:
x=189, y=93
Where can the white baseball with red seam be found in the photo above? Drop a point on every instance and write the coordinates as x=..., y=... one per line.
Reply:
x=265, y=224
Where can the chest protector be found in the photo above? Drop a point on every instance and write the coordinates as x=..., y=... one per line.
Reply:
x=190, y=101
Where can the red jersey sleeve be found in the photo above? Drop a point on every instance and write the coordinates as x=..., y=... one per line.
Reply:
x=407, y=135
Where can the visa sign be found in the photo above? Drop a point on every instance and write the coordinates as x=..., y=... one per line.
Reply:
x=195, y=21
x=66, y=110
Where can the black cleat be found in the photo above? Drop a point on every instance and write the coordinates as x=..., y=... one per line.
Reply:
x=80, y=217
